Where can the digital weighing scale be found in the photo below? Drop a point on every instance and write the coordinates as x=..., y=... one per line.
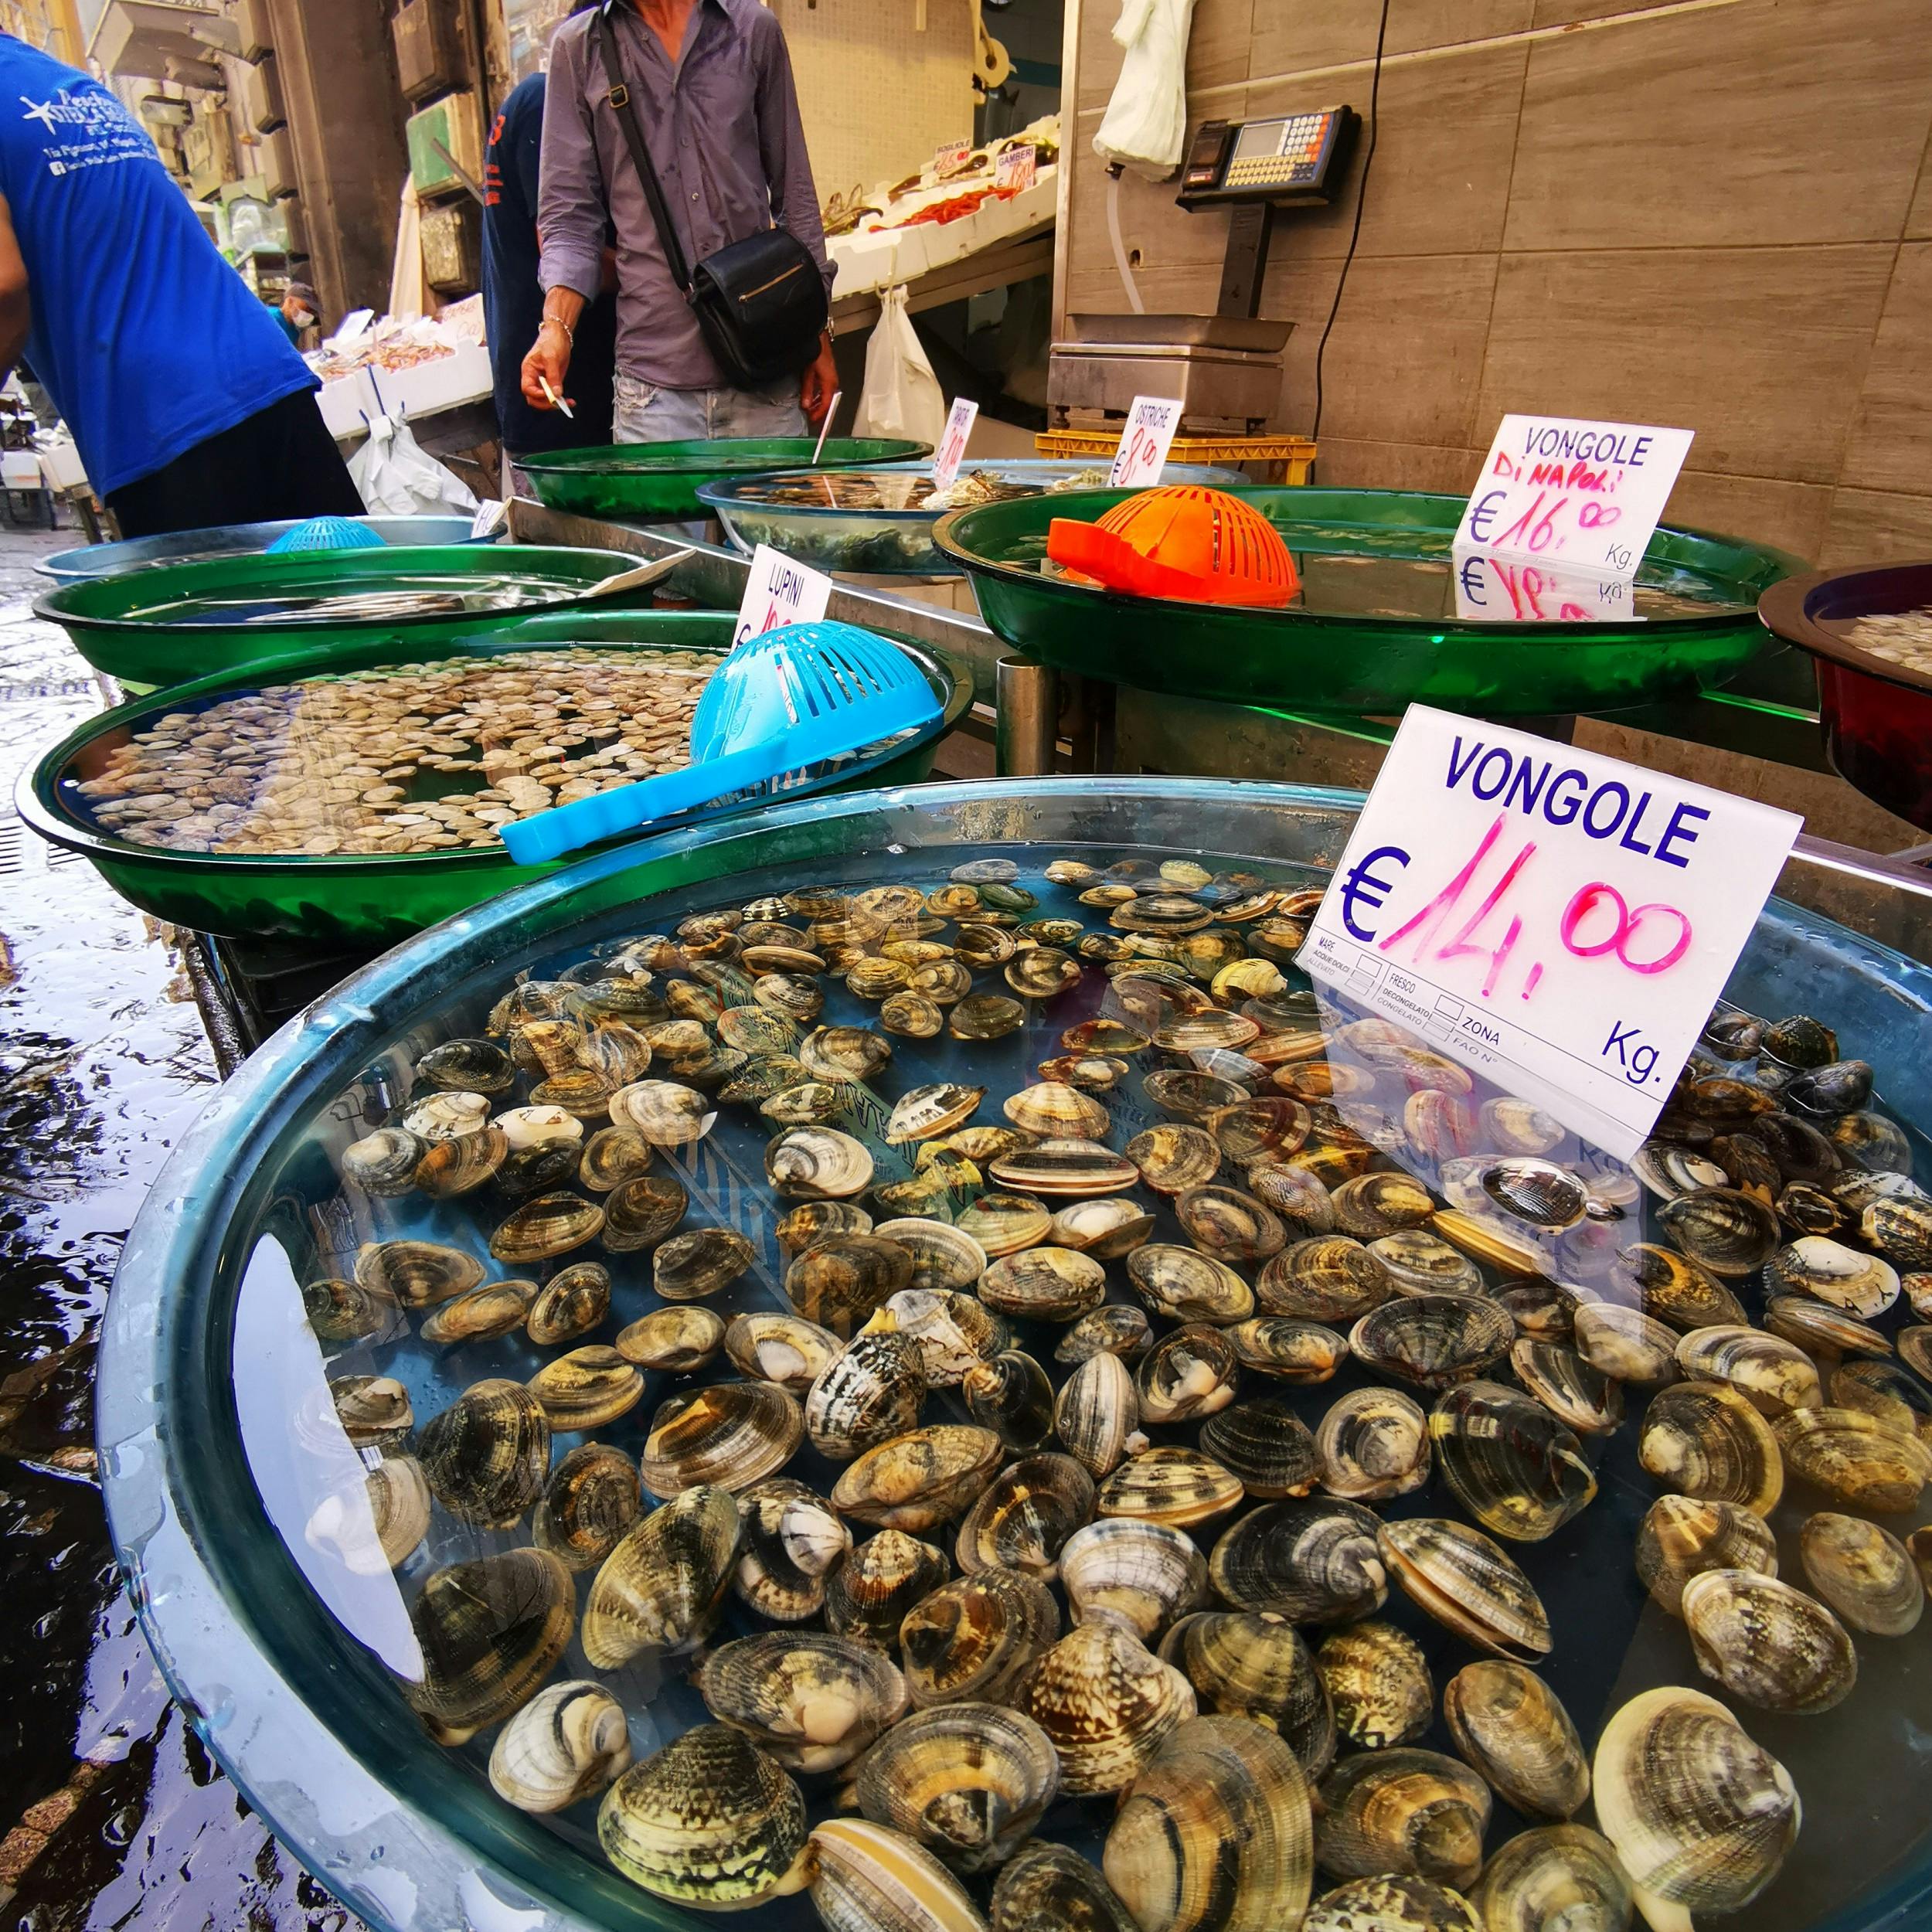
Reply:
x=1225, y=367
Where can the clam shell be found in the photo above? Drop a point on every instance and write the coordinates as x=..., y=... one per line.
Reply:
x=867, y=1595
x=1378, y=1683
x=1624, y=1344
x=587, y=1389
x=869, y=1878
x=814, y=1702
x=955, y=1332
x=1884, y=1390
x=1767, y=1644
x=383, y=1163
x=1139, y=1575
x=1402, y=1811
x=371, y=1411
x=812, y=1222
x=1065, y=1166
x=1682, y=1536
x=665, y=1112
x=485, y=1457
x=1254, y=1666
x=1432, y=1341
x=1863, y=1572
x=397, y=1518
x=1700, y=1815
x=1508, y=1461
x=1297, y=1196
x=1188, y=1373
x=1328, y=1278
x=1830, y=1272
x=1771, y=1374
x=1229, y=1225
x=340, y=1311
x=1509, y=1725
x=660, y=1589
x=639, y=1212
x=573, y=1301
x=1022, y=1519
x=791, y=1540
x=710, y=1821
x=694, y=1266
x=871, y=1393
x=1265, y=1443
x=1856, y=1457
x=1727, y=1231
x=588, y=1506
x=1557, y=1877
x=943, y=1257
x=976, y=1638
x=1216, y=1835
x=490, y=1632
x=1821, y=1331
x=1107, y=1703
x=1704, y=1439
x=1290, y=1351
x=567, y=1742
x=1269, y=1129
x=1310, y=1561
x=1468, y=1584
x=919, y=1479
x=845, y=1053
x=926, y=1111
x=416, y=1274
x=1572, y=1390
x=1177, y=1486
x=1420, y=1262
x=1371, y=1205
x=969, y=1782
x=1046, y=1888
x=551, y=1225
x=730, y=1434
x=1003, y=1224
x=1104, y=1228
x=675, y=1341
x=1172, y=1159
x=1116, y=1328
x=1393, y=1902
x=494, y=1309
x=784, y=1349
x=1052, y=1109
x=466, y=1066
x=840, y=1283
x=985, y=1016
x=817, y=1164
x=1373, y=1444
x=1185, y=1285
x=1045, y=1284
x=1012, y=1396
x=1096, y=1412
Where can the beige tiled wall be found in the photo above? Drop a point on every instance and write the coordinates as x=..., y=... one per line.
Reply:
x=1715, y=213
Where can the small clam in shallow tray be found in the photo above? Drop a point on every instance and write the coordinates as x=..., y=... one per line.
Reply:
x=833, y=1366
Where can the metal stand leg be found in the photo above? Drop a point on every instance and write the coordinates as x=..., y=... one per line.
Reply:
x=1028, y=695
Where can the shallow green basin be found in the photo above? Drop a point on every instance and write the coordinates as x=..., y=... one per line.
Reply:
x=662, y=479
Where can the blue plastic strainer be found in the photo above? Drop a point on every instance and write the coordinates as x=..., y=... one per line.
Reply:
x=793, y=697
x=327, y=533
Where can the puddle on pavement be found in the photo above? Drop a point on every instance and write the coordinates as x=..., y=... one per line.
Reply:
x=123, y=1819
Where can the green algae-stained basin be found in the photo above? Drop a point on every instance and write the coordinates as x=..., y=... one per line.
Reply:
x=1374, y=628
x=373, y=898
x=662, y=479
x=158, y=627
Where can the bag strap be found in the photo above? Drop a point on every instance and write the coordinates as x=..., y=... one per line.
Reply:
x=622, y=106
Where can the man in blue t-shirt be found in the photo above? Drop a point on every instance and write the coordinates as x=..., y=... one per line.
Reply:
x=513, y=299
x=188, y=405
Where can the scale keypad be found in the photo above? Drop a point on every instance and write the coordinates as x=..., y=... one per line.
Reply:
x=1294, y=163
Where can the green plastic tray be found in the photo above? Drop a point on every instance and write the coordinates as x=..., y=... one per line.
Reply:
x=103, y=616
x=376, y=898
x=662, y=479
x=1364, y=553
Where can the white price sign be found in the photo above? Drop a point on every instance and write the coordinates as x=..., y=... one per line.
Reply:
x=1016, y=168
x=1144, y=442
x=950, y=157
x=1581, y=494
x=1561, y=923
x=779, y=592
x=952, y=445
x=491, y=516
x=1494, y=588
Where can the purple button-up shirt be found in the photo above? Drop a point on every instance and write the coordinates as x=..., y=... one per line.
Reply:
x=724, y=134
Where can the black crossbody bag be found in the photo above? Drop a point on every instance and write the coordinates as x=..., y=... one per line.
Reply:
x=760, y=303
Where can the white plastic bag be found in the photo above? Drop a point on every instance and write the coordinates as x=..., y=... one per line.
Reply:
x=902, y=394
x=1145, y=125
x=397, y=479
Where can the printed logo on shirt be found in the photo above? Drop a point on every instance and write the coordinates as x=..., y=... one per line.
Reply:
x=89, y=129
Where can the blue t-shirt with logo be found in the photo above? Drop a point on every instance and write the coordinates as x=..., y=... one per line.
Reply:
x=146, y=339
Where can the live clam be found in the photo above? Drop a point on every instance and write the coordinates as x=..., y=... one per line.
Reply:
x=485, y=1457
x=867, y=1395
x=676, y=1341
x=1674, y=1288
x=482, y=1314
x=1822, y=1331
x=1169, y=1484
x=1046, y=1888
x=984, y=1016
x=1378, y=1683
x=920, y=1478
x=1508, y=1723
x=1624, y=1343
x=588, y=1505
x=1704, y=1439
x=1772, y=1374
x=1258, y=1666
x=1045, y=1284
x=792, y=1539
x=1884, y=1390
x=1728, y=1231
x=397, y=1518
x=1559, y=1878
x=1863, y=1572
x=1265, y=1443
x=814, y=1702
x=841, y=1282
x=467, y=1065
x=869, y=1595
x=1855, y=1456
x=1700, y=1815
x=1510, y=1463
x=1466, y=1583
x=710, y=1821
x=699, y=1264
x=568, y=1742
x=924, y=1112
x=447, y=1115
x=641, y=1211
x=1114, y=1328
x=818, y=1163
x=586, y=1388
x=1572, y=1390
x=1395, y=1902
x=1172, y=1159
x=1096, y=1412
x=1899, y=1226
x=869, y=1878
x=784, y=1349
x=811, y=1222
x=1065, y=1165
x=660, y=1589
x=416, y=1274
x=1420, y=1262
x=1299, y=1197
x=729, y=1434
x=1326, y=1278
x=1216, y=1833
x=372, y=1411
x=1432, y=1341
x=1229, y=1225
x=1860, y=1284
x=1022, y=1519
x=1186, y=1285
x=663, y=1112
x=1402, y=1810
x=1052, y=1108
x=1139, y=1575
x=1004, y=1223
x=976, y=1638
x=1012, y=1395
x=551, y=1225
x=1371, y=1205
x=970, y=1782
x=490, y=1632
x=1188, y=1373
x=1373, y=1444
x=384, y=1163
x=1311, y=1561
x=1107, y=1703
x=1682, y=1536
x=573, y=1301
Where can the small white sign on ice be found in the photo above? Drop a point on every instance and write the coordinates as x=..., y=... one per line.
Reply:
x=952, y=445
x=1493, y=587
x=1145, y=441
x=1016, y=168
x=778, y=591
x=491, y=516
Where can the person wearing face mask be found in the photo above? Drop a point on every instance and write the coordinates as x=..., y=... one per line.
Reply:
x=187, y=400
x=299, y=312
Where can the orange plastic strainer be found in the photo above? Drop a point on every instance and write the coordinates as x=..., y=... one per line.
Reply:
x=1185, y=542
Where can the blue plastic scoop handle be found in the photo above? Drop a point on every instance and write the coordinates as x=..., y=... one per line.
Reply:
x=792, y=698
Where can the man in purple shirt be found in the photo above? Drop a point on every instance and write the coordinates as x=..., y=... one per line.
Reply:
x=711, y=83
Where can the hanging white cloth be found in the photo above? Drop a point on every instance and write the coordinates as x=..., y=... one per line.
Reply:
x=1145, y=125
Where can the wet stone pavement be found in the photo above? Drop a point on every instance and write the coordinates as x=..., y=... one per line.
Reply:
x=112, y=1814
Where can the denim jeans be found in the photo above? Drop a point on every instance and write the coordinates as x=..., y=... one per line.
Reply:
x=646, y=413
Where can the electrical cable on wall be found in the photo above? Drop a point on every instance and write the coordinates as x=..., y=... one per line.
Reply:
x=1361, y=201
